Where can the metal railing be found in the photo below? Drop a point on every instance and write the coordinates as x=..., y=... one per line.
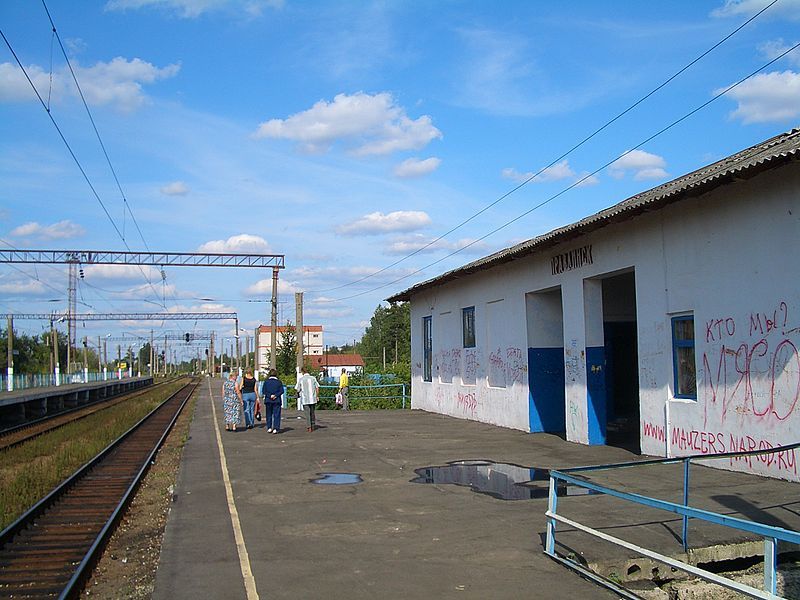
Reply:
x=771, y=534
x=359, y=394
x=36, y=380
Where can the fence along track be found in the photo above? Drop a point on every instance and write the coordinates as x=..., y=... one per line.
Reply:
x=49, y=551
x=14, y=436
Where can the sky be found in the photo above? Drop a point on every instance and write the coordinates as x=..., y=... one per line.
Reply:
x=373, y=144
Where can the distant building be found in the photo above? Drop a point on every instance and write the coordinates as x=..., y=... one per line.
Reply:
x=334, y=363
x=668, y=323
x=313, y=343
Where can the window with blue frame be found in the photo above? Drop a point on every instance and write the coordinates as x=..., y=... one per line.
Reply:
x=468, y=326
x=427, y=349
x=683, y=357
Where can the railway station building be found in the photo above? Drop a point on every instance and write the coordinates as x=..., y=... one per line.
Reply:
x=668, y=323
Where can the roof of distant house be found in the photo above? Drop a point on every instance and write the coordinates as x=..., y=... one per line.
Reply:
x=772, y=153
x=319, y=361
x=282, y=328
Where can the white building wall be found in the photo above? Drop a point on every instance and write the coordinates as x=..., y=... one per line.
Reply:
x=728, y=258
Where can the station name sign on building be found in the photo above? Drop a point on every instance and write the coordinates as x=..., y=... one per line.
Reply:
x=573, y=259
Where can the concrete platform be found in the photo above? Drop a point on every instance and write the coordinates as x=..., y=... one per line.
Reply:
x=29, y=404
x=389, y=538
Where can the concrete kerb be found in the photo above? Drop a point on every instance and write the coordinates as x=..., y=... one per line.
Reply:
x=392, y=538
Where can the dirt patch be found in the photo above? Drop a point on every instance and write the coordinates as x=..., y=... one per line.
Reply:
x=128, y=566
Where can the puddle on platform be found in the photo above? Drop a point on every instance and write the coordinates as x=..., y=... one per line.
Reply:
x=503, y=481
x=337, y=478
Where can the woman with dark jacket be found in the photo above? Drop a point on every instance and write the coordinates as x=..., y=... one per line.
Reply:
x=272, y=392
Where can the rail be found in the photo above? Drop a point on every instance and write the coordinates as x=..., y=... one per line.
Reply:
x=771, y=534
x=83, y=527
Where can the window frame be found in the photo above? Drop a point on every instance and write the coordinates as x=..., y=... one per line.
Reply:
x=676, y=345
x=427, y=348
x=469, y=310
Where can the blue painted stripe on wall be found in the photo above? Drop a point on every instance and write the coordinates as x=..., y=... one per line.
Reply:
x=546, y=395
x=596, y=394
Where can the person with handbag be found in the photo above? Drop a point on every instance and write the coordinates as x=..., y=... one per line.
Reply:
x=272, y=393
x=308, y=388
x=248, y=394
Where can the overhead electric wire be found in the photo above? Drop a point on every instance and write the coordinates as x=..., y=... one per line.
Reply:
x=556, y=160
x=126, y=205
x=94, y=126
x=579, y=181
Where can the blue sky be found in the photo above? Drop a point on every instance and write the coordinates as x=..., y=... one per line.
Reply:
x=347, y=135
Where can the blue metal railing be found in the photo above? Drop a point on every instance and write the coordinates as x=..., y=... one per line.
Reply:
x=401, y=396
x=771, y=534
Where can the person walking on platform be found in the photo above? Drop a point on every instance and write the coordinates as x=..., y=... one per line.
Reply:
x=248, y=394
x=272, y=393
x=308, y=387
x=344, y=389
x=230, y=402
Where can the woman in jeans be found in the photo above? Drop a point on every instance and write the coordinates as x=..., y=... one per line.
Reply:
x=248, y=394
x=272, y=393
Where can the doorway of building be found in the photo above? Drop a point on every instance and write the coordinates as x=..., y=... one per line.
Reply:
x=546, y=394
x=621, y=361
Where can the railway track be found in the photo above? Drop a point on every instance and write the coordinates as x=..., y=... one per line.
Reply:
x=50, y=550
x=13, y=436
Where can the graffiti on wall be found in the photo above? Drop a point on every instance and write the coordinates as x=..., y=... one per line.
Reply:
x=751, y=367
x=692, y=441
x=471, y=365
x=507, y=367
x=467, y=403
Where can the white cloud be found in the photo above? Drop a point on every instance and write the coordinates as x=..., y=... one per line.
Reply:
x=586, y=179
x=346, y=274
x=176, y=188
x=558, y=171
x=191, y=9
x=62, y=230
x=371, y=124
x=328, y=313
x=117, y=83
x=243, y=243
x=124, y=273
x=28, y=287
x=767, y=97
x=263, y=287
x=378, y=223
x=415, y=167
x=417, y=242
x=732, y=8
x=643, y=165
x=774, y=48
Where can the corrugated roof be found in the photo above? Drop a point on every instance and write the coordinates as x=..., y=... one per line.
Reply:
x=748, y=163
x=336, y=360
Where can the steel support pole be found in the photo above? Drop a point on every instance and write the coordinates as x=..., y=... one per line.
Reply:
x=298, y=302
x=273, y=359
x=10, y=336
x=685, y=534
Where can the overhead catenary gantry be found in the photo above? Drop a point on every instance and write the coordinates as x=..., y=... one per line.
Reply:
x=159, y=259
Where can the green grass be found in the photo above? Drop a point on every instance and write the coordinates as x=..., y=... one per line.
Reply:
x=28, y=472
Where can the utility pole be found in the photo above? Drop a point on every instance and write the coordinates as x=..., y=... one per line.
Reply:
x=298, y=306
x=273, y=359
x=10, y=383
x=105, y=359
x=247, y=351
x=99, y=360
x=212, y=353
x=151, y=354
x=384, y=358
x=238, y=347
x=54, y=359
x=85, y=359
x=71, y=302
